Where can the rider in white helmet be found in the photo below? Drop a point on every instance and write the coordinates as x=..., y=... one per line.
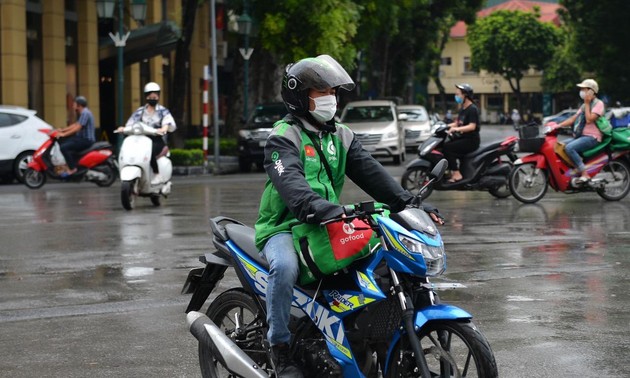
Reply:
x=156, y=115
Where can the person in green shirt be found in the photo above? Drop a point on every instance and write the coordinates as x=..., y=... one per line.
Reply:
x=307, y=157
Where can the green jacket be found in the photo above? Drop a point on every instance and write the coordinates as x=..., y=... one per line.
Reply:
x=299, y=184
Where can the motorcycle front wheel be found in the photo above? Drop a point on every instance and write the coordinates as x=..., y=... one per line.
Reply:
x=128, y=193
x=451, y=349
x=527, y=183
x=223, y=311
x=617, y=177
x=34, y=179
x=413, y=179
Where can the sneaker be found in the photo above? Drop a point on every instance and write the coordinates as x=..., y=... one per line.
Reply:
x=283, y=364
x=157, y=179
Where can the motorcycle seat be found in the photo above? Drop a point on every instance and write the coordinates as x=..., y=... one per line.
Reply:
x=483, y=148
x=243, y=236
x=96, y=146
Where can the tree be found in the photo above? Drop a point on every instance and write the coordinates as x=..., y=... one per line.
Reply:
x=509, y=43
x=600, y=29
x=564, y=70
x=181, y=75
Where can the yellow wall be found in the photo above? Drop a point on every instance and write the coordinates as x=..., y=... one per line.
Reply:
x=13, y=64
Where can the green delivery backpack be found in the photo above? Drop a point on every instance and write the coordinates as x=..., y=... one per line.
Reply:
x=324, y=250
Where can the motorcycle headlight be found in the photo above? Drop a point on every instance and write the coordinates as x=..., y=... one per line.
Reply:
x=434, y=257
x=137, y=129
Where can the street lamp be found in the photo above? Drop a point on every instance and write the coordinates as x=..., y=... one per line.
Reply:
x=105, y=9
x=245, y=28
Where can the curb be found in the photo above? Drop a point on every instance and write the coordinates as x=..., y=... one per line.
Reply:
x=227, y=165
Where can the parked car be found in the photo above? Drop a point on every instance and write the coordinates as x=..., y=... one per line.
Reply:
x=19, y=138
x=417, y=126
x=377, y=126
x=559, y=117
x=253, y=136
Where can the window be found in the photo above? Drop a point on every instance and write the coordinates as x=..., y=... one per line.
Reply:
x=467, y=66
x=445, y=61
x=7, y=119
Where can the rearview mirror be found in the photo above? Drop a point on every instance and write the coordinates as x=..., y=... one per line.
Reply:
x=403, y=117
x=438, y=171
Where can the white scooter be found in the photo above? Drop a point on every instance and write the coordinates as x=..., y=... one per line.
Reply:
x=135, y=167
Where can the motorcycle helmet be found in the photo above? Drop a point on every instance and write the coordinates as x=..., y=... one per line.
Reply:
x=81, y=100
x=466, y=89
x=320, y=72
x=151, y=87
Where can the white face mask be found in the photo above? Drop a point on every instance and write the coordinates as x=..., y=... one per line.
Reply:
x=582, y=94
x=325, y=108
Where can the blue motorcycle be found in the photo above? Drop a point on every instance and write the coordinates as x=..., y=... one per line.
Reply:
x=380, y=317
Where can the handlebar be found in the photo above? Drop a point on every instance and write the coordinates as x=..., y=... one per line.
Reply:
x=362, y=210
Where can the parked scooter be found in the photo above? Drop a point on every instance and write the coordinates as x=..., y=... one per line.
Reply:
x=608, y=164
x=97, y=164
x=378, y=317
x=486, y=168
x=135, y=167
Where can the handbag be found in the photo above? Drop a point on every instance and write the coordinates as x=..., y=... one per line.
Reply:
x=558, y=148
x=604, y=125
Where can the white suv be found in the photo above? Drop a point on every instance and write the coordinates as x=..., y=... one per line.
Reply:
x=377, y=126
x=19, y=138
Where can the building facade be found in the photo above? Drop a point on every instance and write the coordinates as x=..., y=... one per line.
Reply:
x=495, y=96
x=54, y=50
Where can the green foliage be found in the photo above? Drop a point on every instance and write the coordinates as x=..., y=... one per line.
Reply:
x=510, y=42
x=227, y=146
x=296, y=29
x=182, y=157
x=600, y=31
x=564, y=69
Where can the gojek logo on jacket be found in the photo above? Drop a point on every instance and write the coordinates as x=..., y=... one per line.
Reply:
x=275, y=157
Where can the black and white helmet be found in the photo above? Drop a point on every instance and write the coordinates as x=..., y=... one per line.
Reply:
x=466, y=89
x=320, y=72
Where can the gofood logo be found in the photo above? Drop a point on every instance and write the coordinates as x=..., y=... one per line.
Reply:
x=348, y=228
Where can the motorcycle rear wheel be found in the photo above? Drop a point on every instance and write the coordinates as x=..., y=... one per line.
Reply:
x=128, y=193
x=109, y=171
x=501, y=191
x=413, y=180
x=451, y=348
x=222, y=312
x=527, y=183
x=34, y=179
x=619, y=172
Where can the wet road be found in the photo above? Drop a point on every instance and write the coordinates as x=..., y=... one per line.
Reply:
x=88, y=289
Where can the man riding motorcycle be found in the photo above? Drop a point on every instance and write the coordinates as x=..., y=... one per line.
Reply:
x=307, y=157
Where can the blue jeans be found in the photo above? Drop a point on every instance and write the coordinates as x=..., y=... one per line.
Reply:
x=573, y=147
x=70, y=148
x=283, y=273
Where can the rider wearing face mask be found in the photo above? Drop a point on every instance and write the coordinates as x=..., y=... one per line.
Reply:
x=307, y=157
x=464, y=131
x=586, y=135
x=157, y=116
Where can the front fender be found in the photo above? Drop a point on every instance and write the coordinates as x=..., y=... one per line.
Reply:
x=425, y=315
x=537, y=159
x=130, y=172
x=418, y=163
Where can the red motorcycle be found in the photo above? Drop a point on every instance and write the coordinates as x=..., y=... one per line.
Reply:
x=608, y=164
x=96, y=164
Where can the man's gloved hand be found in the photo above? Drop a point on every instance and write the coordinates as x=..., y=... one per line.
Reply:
x=433, y=213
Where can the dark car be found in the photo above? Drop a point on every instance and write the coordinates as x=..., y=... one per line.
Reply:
x=253, y=137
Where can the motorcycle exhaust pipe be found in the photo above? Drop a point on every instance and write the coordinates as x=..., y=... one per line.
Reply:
x=223, y=348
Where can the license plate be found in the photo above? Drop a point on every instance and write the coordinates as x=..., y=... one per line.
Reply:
x=262, y=143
